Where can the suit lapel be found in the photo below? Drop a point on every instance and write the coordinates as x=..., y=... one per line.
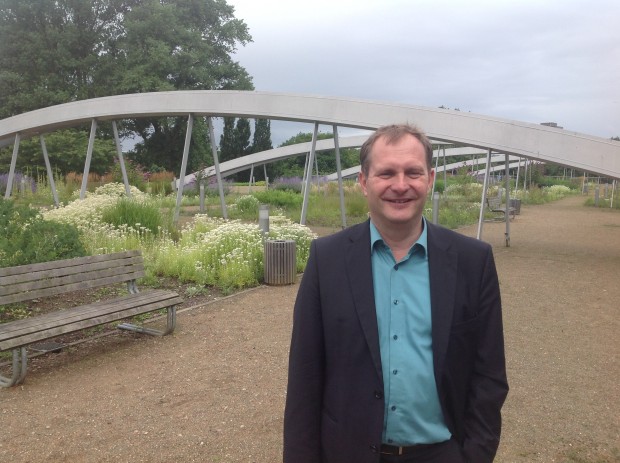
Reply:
x=360, y=278
x=442, y=261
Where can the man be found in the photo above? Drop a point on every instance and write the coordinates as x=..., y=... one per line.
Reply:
x=397, y=349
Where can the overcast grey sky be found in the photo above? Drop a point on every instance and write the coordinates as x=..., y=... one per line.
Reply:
x=532, y=61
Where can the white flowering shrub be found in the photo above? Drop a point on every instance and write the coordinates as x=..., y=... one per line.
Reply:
x=464, y=191
x=224, y=253
x=557, y=191
x=247, y=204
x=208, y=251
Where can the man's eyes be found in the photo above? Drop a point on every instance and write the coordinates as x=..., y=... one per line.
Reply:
x=410, y=174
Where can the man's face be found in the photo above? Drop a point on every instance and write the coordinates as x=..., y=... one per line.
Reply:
x=397, y=183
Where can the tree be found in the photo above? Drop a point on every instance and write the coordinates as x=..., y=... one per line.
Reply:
x=262, y=136
x=326, y=160
x=66, y=150
x=242, y=137
x=67, y=50
x=227, y=140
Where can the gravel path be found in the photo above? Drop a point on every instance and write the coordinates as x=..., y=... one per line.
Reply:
x=214, y=391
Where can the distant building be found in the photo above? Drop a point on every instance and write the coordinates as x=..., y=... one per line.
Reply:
x=551, y=124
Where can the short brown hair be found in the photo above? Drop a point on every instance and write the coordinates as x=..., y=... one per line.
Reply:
x=393, y=133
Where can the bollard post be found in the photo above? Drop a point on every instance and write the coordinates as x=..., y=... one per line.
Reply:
x=202, y=198
x=436, y=207
x=596, y=196
x=263, y=218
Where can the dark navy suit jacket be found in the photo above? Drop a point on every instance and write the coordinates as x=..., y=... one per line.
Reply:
x=334, y=405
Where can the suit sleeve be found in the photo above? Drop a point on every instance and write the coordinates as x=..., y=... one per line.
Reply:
x=489, y=386
x=302, y=416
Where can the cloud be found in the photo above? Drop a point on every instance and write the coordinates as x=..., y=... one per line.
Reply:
x=524, y=60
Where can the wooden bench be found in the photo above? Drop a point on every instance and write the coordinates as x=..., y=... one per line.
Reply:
x=494, y=205
x=29, y=282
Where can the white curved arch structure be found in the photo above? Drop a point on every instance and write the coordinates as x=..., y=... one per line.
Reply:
x=538, y=142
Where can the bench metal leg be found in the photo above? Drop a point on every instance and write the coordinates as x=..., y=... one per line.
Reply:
x=20, y=364
x=171, y=322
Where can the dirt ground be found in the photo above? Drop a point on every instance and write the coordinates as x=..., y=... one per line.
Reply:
x=214, y=391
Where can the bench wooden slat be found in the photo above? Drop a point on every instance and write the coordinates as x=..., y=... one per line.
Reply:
x=86, y=323
x=89, y=284
x=41, y=266
x=50, y=275
x=66, y=316
x=122, y=272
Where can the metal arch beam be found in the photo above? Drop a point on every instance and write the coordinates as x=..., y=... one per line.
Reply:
x=265, y=157
x=353, y=171
x=549, y=144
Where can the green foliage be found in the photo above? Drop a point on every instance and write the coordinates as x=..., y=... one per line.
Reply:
x=279, y=198
x=326, y=160
x=261, y=140
x=235, y=142
x=58, y=52
x=66, y=150
x=139, y=215
x=245, y=206
x=135, y=175
x=242, y=137
x=25, y=238
x=227, y=140
x=164, y=141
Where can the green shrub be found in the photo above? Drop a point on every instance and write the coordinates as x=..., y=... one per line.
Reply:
x=139, y=215
x=135, y=174
x=280, y=198
x=26, y=238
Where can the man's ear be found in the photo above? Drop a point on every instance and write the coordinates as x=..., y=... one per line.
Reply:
x=362, y=179
x=431, y=180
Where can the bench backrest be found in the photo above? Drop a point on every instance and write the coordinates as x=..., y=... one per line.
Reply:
x=494, y=203
x=27, y=282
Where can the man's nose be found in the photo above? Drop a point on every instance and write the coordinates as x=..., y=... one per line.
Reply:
x=400, y=183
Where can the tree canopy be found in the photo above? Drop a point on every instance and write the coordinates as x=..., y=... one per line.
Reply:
x=67, y=50
x=326, y=160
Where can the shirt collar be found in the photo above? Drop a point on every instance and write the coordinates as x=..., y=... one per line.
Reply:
x=422, y=241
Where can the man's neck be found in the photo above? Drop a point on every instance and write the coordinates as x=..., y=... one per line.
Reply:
x=400, y=238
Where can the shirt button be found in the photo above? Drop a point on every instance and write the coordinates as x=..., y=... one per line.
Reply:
x=395, y=301
x=395, y=337
x=396, y=267
x=378, y=395
x=393, y=408
x=395, y=371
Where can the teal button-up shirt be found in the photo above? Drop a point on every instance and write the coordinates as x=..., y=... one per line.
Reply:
x=402, y=297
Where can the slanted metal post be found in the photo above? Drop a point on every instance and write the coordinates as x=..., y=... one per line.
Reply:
x=121, y=159
x=436, y=207
x=436, y=166
x=216, y=164
x=445, y=176
x=89, y=156
x=339, y=172
x=484, y=194
x=188, y=140
x=250, y=182
x=507, y=233
x=304, y=207
x=50, y=174
x=9, y=183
